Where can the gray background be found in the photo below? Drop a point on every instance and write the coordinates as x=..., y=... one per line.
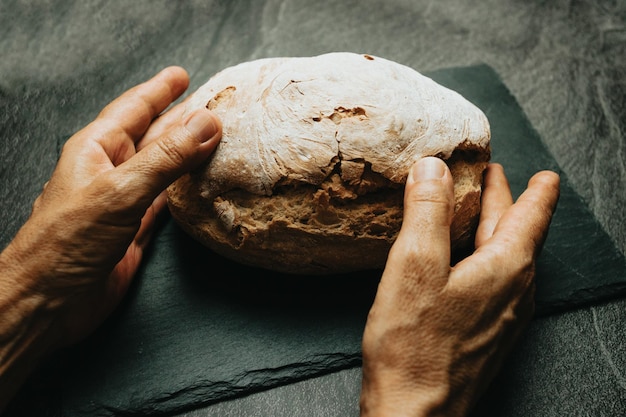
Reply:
x=565, y=62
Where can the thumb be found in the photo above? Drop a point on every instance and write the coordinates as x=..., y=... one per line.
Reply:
x=183, y=147
x=428, y=209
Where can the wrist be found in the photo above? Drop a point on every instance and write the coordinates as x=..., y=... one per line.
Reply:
x=27, y=327
x=397, y=403
x=395, y=393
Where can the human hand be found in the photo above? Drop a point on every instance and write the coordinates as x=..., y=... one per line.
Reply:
x=436, y=335
x=73, y=260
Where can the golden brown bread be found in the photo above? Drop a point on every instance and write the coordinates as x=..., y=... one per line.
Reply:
x=309, y=175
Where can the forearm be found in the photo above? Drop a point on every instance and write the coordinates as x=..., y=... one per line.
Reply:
x=26, y=325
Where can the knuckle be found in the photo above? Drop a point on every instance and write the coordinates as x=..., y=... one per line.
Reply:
x=417, y=262
x=109, y=184
x=117, y=195
x=173, y=153
x=520, y=267
x=431, y=193
x=144, y=108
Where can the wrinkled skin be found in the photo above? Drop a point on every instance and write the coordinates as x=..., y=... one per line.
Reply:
x=73, y=260
x=437, y=334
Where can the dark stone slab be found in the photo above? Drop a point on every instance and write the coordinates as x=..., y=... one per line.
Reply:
x=197, y=328
x=580, y=263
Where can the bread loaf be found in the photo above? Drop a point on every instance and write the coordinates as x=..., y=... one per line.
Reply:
x=309, y=176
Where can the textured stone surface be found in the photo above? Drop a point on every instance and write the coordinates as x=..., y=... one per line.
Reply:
x=563, y=60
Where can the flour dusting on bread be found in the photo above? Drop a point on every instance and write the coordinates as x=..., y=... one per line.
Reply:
x=309, y=175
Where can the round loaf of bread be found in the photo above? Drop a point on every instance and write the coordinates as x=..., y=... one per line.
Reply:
x=309, y=175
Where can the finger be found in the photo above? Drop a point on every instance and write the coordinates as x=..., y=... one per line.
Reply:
x=139, y=180
x=527, y=221
x=125, y=269
x=161, y=125
x=428, y=206
x=420, y=257
x=424, y=238
x=135, y=110
x=504, y=264
x=495, y=201
x=149, y=220
x=124, y=121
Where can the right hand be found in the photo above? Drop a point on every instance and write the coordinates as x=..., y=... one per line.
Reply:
x=436, y=335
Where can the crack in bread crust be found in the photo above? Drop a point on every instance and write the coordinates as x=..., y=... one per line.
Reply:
x=309, y=175
x=309, y=230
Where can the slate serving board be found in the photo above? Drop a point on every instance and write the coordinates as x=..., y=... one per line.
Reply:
x=196, y=328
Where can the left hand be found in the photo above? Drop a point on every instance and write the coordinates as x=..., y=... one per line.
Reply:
x=75, y=257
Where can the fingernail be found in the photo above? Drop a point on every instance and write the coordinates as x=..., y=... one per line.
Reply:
x=202, y=124
x=429, y=168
